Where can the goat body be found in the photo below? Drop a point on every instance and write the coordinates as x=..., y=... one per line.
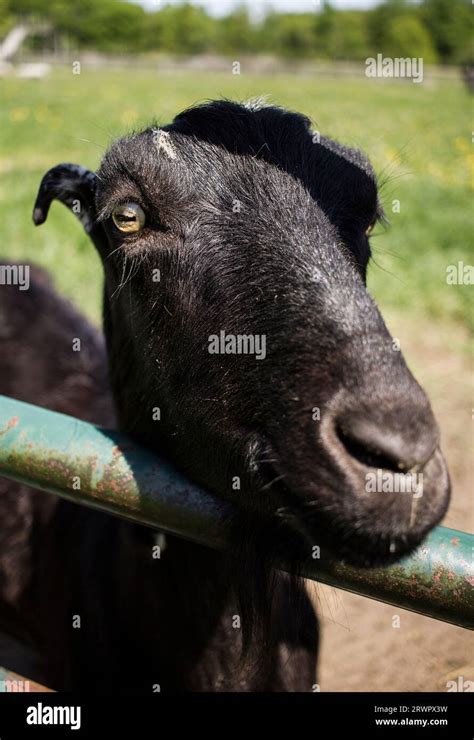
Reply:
x=82, y=600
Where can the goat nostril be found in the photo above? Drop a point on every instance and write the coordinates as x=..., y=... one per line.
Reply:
x=369, y=453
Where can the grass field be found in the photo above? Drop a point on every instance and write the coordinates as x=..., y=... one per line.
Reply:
x=417, y=136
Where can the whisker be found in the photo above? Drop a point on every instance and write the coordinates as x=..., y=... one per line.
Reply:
x=268, y=485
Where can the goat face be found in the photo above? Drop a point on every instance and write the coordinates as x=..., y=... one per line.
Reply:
x=242, y=340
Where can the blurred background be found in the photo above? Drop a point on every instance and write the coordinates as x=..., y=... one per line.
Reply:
x=75, y=74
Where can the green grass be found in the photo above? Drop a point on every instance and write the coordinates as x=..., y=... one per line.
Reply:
x=419, y=136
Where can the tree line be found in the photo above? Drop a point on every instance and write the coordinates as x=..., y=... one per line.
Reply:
x=439, y=31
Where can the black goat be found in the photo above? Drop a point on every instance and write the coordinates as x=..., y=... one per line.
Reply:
x=243, y=344
x=41, y=536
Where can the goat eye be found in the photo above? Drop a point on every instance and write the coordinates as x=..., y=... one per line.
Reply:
x=128, y=217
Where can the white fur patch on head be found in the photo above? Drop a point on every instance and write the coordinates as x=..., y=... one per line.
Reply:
x=163, y=143
x=257, y=103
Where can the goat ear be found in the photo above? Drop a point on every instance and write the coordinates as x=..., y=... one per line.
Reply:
x=74, y=186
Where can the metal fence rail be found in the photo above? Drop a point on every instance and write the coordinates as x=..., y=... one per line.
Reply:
x=108, y=471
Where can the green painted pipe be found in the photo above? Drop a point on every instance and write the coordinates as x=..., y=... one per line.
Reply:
x=108, y=471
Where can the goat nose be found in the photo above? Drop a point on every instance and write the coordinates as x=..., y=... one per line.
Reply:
x=385, y=443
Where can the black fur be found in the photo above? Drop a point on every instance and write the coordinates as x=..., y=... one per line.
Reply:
x=256, y=228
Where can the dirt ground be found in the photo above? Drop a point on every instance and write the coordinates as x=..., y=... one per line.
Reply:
x=360, y=650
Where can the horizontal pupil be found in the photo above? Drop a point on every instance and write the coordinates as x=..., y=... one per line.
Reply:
x=123, y=217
